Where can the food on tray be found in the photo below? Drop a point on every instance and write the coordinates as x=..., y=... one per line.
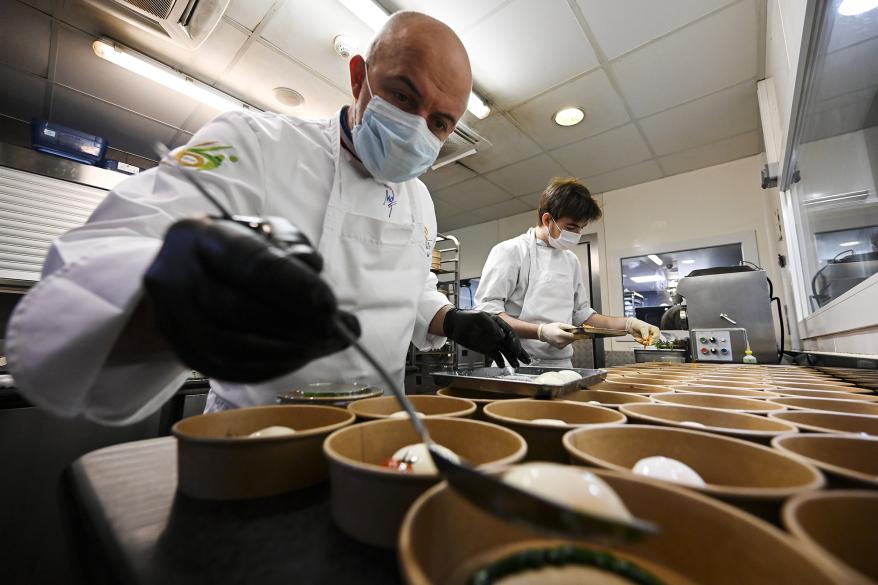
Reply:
x=569, y=486
x=532, y=560
x=416, y=458
x=569, y=375
x=669, y=470
x=272, y=431
x=555, y=422
x=404, y=414
x=559, y=378
x=692, y=423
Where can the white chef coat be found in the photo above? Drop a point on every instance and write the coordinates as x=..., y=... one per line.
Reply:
x=529, y=280
x=376, y=257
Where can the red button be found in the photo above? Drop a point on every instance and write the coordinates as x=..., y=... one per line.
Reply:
x=703, y=350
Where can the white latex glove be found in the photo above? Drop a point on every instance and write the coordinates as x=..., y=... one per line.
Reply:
x=643, y=332
x=554, y=335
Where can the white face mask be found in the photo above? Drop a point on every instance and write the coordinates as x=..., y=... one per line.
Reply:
x=567, y=240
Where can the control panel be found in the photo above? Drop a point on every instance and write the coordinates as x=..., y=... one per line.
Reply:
x=717, y=345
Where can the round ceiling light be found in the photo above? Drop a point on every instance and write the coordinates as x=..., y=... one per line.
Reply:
x=288, y=97
x=569, y=116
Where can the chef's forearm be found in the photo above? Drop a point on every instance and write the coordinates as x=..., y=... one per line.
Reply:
x=606, y=322
x=523, y=329
x=437, y=325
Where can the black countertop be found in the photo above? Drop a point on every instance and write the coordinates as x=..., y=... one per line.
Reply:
x=10, y=397
x=141, y=531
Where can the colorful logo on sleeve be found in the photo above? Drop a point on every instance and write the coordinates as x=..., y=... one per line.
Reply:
x=205, y=156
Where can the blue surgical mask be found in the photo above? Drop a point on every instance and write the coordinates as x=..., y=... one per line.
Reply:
x=393, y=145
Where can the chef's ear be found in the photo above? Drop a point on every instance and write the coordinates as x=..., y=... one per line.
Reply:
x=357, y=66
x=546, y=220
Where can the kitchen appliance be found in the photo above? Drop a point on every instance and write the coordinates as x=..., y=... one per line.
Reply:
x=731, y=303
x=66, y=142
x=840, y=274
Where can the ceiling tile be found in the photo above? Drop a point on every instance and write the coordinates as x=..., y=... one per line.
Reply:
x=22, y=95
x=499, y=210
x=444, y=210
x=447, y=176
x=458, y=14
x=713, y=154
x=206, y=63
x=532, y=201
x=78, y=67
x=472, y=194
x=527, y=176
x=525, y=48
x=261, y=69
x=611, y=150
x=849, y=69
x=42, y=5
x=714, y=53
x=122, y=129
x=592, y=92
x=461, y=220
x=622, y=25
x=309, y=38
x=721, y=115
x=839, y=115
x=848, y=30
x=248, y=13
x=508, y=143
x=633, y=175
x=24, y=37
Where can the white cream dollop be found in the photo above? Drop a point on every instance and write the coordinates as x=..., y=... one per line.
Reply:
x=692, y=423
x=569, y=486
x=668, y=469
x=419, y=457
x=404, y=414
x=555, y=422
x=272, y=431
x=569, y=376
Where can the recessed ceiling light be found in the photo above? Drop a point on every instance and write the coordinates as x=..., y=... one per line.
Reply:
x=569, y=116
x=687, y=262
x=849, y=243
x=288, y=97
x=655, y=259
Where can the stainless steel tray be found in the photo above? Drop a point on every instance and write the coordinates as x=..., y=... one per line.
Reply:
x=329, y=393
x=497, y=380
x=595, y=331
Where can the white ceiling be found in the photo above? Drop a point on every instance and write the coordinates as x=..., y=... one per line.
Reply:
x=667, y=87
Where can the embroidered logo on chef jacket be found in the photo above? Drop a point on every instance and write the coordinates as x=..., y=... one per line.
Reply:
x=428, y=242
x=205, y=156
x=389, y=199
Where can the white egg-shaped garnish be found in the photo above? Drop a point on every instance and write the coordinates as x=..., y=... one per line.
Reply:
x=550, y=378
x=418, y=457
x=272, y=431
x=569, y=376
x=692, y=423
x=404, y=414
x=669, y=470
x=569, y=486
x=554, y=422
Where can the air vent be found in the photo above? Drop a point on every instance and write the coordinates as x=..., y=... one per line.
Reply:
x=186, y=23
x=463, y=142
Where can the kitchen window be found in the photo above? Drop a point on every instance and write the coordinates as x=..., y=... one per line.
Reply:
x=649, y=282
x=833, y=158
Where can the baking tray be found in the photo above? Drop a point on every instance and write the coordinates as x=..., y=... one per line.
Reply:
x=496, y=380
x=595, y=331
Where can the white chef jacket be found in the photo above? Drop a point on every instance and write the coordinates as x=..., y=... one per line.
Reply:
x=62, y=332
x=513, y=272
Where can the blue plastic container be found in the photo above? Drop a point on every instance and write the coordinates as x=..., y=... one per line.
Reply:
x=66, y=142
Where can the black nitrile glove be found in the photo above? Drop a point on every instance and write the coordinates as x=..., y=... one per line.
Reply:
x=236, y=307
x=485, y=333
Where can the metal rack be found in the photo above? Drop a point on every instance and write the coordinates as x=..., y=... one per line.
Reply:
x=421, y=363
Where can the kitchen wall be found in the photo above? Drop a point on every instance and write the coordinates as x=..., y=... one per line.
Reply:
x=718, y=204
